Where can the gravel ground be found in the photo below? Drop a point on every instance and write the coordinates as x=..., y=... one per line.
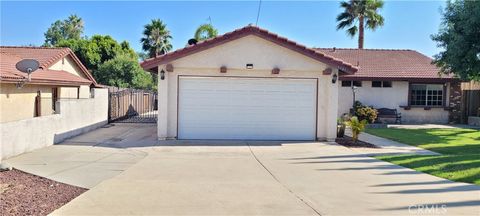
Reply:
x=26, y=194
x=348, y=142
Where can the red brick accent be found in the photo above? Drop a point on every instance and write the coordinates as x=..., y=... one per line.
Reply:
x=327, y=71
x=223, y=69
x=276, y=70
x=169, y=67
x=455, y=103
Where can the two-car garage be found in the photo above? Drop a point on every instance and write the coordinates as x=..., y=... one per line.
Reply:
x=248, y=84
x=246, y=108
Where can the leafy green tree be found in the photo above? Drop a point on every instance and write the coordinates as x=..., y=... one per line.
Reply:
x=97, y=50
x=459, y=36
x=70, y=28
x=363, y=12
x=205, y=31
x=156, y=38
x=123, y=71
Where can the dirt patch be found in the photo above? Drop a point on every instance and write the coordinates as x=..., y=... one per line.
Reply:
x=348, y=142
x=26, y=194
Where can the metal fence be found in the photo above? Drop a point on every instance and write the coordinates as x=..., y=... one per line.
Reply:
x=132, y=105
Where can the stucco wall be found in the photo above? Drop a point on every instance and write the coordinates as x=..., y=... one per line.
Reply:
x=68, y=64
x=264, y=55
x=74, y=116
x=17, y=104
x=393, y=98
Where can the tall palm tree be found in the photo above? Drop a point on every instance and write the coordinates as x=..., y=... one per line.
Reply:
x=205, y=31
x=156, y=38
x=361, y=12
x=73, y=27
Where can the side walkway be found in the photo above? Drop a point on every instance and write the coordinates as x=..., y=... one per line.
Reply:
x=387, y=146
x=91, y=158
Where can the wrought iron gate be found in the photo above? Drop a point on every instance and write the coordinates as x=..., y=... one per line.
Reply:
x=132, y=106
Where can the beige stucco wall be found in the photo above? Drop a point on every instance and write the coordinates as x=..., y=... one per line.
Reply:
x=68, y=64
x=74, y=92
x=264, y=55
x=72, y=118
x=17, y=104
x=390, y=98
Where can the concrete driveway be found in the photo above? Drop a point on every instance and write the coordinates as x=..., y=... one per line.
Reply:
x=239, y=178
x=91, y=158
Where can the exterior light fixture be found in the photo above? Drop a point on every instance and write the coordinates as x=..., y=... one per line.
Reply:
x=478, y=56
x=334, y=78
x=162, y=74
x=249, y=66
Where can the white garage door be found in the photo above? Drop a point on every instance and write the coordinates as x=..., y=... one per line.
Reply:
x=246, y=108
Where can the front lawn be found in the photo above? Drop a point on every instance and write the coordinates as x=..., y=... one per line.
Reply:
x=460, y=149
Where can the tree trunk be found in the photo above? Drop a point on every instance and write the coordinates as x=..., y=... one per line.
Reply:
x=360, y=32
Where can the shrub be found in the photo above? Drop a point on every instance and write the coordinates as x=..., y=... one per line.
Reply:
x=365, y=112
x=357, y=126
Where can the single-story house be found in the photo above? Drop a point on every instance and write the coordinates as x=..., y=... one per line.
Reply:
x=61, y=75
x=254, y=84
x=405, y=80
x=61, y=100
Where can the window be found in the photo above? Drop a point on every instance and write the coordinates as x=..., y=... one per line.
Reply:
x=426, y=95
x=350, y=83
x=346, y=83
x=376, y=84
x=357, y=83
x=387, y=84
x=379, y=84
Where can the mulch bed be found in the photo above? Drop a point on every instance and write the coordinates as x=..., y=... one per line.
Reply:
x=26, y=194
x=348, y=142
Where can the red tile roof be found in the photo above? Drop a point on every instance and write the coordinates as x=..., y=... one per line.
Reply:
x=152, y=63
x=387, y=64
x=9, y=56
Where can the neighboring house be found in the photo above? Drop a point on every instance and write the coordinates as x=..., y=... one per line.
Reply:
x=253, y=84
x=405, y=80
x=61, y=75
x=61, y=100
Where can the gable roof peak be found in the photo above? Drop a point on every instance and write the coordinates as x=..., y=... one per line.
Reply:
x=152, y=63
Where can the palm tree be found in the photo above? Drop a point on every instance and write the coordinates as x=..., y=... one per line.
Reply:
x=73, y=27
x=205, y=31
x=156, y=38
x=363, y=12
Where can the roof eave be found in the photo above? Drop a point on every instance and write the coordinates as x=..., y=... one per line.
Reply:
x=239, y=33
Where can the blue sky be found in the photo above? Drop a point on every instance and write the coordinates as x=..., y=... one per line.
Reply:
x=408, y=24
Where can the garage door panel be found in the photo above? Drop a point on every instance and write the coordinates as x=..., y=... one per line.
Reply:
x=246, y=108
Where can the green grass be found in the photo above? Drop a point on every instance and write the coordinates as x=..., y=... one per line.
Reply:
x=460, y=149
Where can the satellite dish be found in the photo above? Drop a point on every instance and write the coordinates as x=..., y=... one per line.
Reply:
x=27, y=66
x=192, y=41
